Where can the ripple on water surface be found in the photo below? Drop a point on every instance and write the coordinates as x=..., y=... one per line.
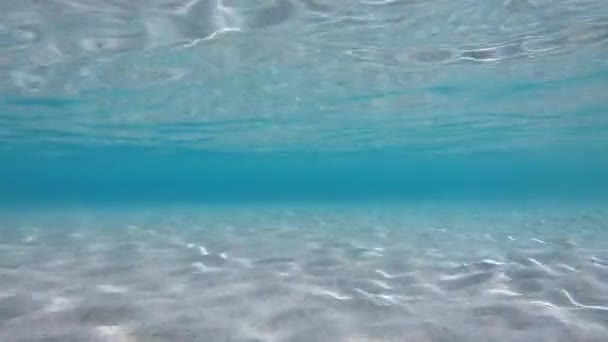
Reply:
x=414, y=64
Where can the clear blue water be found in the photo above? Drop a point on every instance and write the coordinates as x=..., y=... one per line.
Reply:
x=123, y=175
x=283, y=170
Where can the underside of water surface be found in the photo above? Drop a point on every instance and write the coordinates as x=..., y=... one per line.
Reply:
x=303, y=170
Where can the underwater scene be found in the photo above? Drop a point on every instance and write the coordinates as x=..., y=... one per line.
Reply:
x=303, y=170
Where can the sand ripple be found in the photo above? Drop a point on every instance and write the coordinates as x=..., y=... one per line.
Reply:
x=153, y=278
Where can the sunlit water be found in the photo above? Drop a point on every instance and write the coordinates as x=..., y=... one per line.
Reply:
x=303, y=170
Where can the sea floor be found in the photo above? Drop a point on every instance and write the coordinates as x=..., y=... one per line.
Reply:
x=402, y=272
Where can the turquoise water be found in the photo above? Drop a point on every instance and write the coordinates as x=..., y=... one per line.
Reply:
x=286, y=170
x=121, y=175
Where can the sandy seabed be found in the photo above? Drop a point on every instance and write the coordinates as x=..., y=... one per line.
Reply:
x=424, y=272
